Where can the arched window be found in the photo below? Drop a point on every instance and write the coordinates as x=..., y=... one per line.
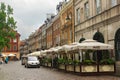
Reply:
x=82, y=39
x=117, y=45
x=98, y=36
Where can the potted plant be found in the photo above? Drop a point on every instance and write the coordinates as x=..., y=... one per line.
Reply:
x=77, y=65
x=69, y=65
x=107, y=61
x=88, y=62
x=89, y=66
x=61, y=63
x=76, y=62
x=107, y=65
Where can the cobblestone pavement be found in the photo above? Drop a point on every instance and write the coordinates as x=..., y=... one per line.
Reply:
x=15, y=71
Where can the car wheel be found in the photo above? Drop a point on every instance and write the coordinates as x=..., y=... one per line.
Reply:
x=25, y=66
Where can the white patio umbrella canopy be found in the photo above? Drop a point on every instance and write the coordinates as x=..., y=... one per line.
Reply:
x=94, y=45
x=4, y=55
x=37, y=53
x=11, y=55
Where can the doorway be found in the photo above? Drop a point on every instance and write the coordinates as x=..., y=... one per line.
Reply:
x=117, y=45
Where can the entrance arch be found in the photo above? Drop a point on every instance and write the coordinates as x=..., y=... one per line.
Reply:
x=117, y=45
x=81, y=40
x=98, y=36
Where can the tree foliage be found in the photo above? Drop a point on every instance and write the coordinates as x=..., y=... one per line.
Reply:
x=7, y=25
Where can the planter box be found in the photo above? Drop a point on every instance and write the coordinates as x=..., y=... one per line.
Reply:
x=89, y=68
x=62, y=66
x=46, y=64
x=70, y=67
x=77, y=68
x=49, y=65
x=106, y=68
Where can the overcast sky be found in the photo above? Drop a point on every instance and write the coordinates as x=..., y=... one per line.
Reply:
x=30, y=14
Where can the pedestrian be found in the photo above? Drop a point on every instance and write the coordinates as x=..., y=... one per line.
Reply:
x=6, y=60
x=1, y=60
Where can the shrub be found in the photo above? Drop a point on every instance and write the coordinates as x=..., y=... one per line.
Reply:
x=61, y=61
x=89, y=62
x=107, y=61
x=76, y=62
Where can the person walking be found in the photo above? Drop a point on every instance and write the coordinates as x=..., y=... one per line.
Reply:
x=6, y=60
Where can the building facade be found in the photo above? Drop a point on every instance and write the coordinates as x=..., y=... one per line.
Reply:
x=67, y=22
x=98, y=20
x=49, y=36
x=31, y=42
x=49, y=30
x=56, y=30
x=39, y=39
x=14, y=46
x=43, y=42
x=24, y=47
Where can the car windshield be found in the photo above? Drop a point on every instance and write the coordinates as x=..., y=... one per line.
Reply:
x=32, y=58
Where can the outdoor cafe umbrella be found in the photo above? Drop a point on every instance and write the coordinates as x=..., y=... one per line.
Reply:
x=11, y=55
x=94, y=45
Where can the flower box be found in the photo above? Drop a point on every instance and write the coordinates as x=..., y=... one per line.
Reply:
x=62, y=66
x=70, y=67
x=77, y=68
x=89, y=68
x=106, y=68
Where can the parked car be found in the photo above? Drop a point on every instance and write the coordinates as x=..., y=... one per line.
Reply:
x=32, y=61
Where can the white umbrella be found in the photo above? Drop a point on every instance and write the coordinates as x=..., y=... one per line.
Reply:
x=37, y=53
x=11, y=55
x=4, y=55
x=94, y=45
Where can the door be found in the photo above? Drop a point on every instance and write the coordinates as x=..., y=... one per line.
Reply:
x=117, y=45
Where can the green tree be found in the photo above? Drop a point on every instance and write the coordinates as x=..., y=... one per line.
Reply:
x=7, y=25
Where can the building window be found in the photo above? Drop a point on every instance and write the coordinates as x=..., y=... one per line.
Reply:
x=113, y=3
x=9, y=49
x=86, y=10
x=15, y=40
x=15, y=48
x=98, y=6
x=78, y=15
x=10, y=40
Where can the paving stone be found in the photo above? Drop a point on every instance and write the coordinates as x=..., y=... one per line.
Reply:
x=16, y=71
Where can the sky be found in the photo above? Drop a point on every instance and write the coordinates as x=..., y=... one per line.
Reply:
x=31, y=14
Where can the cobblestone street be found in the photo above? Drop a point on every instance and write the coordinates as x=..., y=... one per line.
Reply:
x=15, y=71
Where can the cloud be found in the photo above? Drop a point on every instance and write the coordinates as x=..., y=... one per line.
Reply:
x=30, y=14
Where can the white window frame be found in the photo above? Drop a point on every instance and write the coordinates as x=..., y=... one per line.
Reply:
x=113, y=3
x=78, y=15
x=86, y=10
x=15, y=47
x=15, y=40
x=98, y=6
